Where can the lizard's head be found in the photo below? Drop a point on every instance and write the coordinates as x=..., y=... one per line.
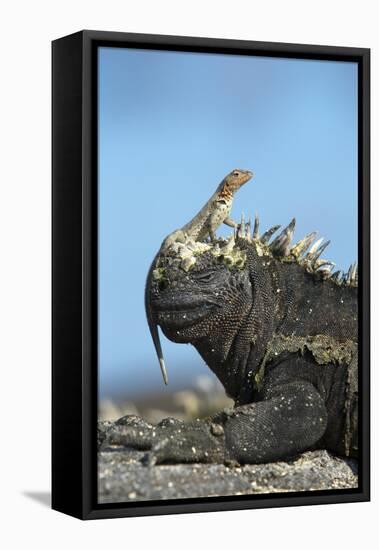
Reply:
x=235, y=179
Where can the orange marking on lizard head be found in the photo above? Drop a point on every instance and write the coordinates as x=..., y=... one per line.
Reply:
x=233, y=181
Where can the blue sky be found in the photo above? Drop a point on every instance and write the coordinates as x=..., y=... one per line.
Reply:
x=171, y=125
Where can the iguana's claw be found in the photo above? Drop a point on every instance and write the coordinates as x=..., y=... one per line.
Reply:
x=130, y=431
x=170, y=441
x=149, y=459
x=198, y=442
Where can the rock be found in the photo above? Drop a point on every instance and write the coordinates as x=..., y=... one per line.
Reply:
x=124, y=477
x=108, y=410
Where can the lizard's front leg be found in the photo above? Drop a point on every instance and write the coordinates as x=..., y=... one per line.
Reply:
x=230, y=223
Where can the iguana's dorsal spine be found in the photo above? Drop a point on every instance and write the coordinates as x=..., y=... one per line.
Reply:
x=306, y=252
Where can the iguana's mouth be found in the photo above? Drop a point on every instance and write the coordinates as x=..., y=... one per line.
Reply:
x=172, y=314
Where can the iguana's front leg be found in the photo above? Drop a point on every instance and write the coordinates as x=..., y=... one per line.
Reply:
x=291, y=418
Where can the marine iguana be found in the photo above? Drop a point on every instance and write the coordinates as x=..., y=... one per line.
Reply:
x=278, y=329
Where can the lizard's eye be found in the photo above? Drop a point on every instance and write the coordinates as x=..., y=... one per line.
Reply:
x=235, y=173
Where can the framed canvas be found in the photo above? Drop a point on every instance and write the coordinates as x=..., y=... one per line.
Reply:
x=213, y=193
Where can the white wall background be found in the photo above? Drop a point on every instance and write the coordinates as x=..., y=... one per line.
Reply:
x=27, y=29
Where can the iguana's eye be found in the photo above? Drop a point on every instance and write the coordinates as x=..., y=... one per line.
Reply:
x=204, y=277
x=235, y=173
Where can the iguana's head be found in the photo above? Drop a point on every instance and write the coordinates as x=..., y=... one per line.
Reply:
x=192, y=302
x=198, y=293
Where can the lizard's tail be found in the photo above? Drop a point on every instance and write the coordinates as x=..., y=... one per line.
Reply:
x=153, y=325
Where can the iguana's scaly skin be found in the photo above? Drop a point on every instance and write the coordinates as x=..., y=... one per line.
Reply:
x=215, y=212
x=278, y=329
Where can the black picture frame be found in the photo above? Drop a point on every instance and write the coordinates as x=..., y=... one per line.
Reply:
x=74, y=272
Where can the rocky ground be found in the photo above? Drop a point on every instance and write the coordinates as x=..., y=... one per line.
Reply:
x=122, y=477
